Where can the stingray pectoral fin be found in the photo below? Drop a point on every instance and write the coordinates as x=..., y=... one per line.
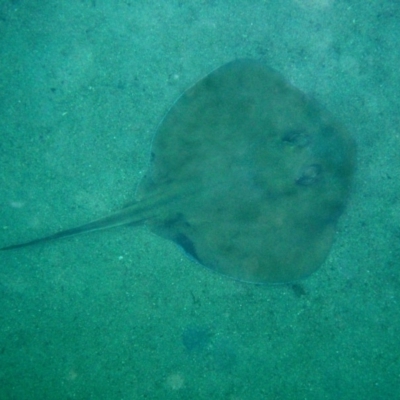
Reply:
x=134, y=214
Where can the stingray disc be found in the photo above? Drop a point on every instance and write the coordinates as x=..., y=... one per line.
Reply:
x=256, y=175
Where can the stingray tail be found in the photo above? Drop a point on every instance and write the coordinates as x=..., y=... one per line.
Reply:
x=134, y=214
x=58, y=235
x=127, y=216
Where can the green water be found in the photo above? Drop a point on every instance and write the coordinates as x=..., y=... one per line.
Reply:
x=123, y=314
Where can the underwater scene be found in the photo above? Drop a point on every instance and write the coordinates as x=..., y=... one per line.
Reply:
x=199, y=200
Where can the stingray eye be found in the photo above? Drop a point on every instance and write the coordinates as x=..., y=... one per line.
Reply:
x=296, y=138
x=309, y=175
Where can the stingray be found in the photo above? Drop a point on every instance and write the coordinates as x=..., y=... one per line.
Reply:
x=247, y=174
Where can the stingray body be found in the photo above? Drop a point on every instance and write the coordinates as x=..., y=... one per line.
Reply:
x=247, y=175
